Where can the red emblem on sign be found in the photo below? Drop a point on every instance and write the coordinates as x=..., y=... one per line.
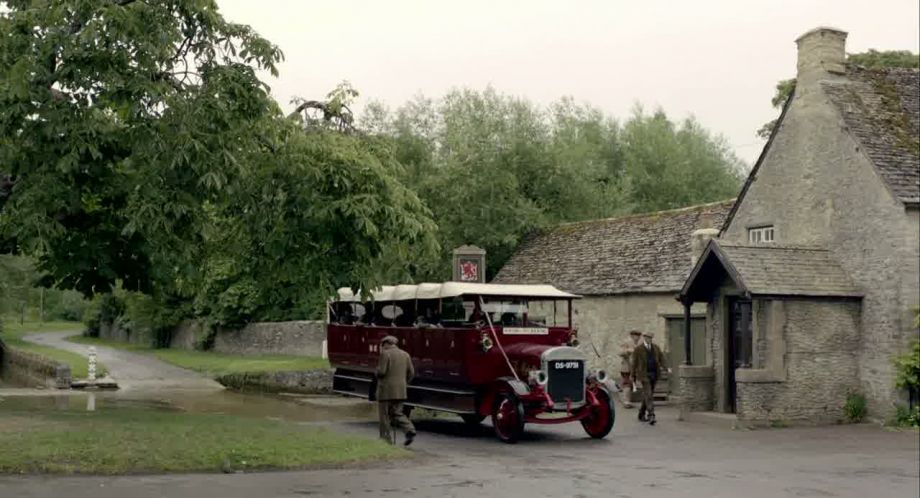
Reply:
x=469, y=271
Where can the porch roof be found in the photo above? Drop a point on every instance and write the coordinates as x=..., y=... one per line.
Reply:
x=768, y=270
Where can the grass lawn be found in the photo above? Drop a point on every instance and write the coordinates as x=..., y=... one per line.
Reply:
x=12, y=333
x=130, y=440
x=216, y=364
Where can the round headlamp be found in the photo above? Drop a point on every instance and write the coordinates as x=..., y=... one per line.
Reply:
x=538, y=377
x=601, y=376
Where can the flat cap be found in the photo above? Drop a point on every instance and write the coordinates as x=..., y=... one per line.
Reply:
x=389, y=340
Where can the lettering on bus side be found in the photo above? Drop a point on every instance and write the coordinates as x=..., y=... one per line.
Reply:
x=525, y=331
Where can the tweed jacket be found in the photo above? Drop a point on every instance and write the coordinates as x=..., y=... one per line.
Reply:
x=394, y=372
x=640, y=362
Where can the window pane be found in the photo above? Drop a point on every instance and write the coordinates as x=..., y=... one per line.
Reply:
x=675, y=330
x=698, y=340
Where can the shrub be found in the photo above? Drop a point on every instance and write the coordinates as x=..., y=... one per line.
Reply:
x=66, y=305
x=103, y=309
x=907, y=367
x=855, y=408
x=906, y=417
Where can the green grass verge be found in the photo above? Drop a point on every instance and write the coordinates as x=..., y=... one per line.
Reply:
x=12, y=333
x=127, y=440
x=216, y=364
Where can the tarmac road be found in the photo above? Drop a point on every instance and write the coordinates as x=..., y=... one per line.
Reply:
x=132, y=371
x=672, y=459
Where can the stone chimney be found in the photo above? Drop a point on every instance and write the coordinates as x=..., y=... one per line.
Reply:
x=698, y=240
x=821, y=55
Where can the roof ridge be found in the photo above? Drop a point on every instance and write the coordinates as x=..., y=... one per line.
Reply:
x=881, y=69
x=647, y=214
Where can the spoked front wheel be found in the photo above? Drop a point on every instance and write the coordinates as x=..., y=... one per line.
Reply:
x=600, y=421
x=508, y=418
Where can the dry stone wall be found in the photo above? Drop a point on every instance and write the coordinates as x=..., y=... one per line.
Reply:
x=300, y=338
x=32, y=370
x=297, y=338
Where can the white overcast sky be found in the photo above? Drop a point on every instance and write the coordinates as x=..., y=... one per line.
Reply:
x=717, y=60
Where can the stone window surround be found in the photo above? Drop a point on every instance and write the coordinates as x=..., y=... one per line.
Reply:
x=774, y=362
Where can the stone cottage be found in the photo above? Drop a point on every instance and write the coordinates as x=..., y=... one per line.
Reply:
x=629, y=270
x=810, y=284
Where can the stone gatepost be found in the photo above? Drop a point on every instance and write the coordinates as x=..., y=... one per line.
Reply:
x=469, y=263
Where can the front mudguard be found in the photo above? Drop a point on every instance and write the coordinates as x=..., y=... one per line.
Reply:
x=501, y=385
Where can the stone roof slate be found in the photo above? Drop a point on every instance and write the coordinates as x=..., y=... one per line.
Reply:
x=788, y=271
x=636, y=253
x=881, y=109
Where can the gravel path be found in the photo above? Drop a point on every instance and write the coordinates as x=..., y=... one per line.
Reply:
x=132, y=371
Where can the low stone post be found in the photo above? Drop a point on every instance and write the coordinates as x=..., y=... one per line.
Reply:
x=91, y=367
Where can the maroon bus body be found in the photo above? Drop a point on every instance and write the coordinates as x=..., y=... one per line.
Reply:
x=455, y=373
x=450, y=355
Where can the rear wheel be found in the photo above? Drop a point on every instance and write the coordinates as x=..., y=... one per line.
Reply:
x=508, y=418
x=600, y=421
x=472, y=419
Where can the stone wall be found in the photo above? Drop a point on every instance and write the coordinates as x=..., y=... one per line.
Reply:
x=118, y=332
x=605, y=322
x=300, y=338
x=695, y=388
x=189, y=334
x=821, y=339
x=306, y=382
x=817, y=187
x=32, y=370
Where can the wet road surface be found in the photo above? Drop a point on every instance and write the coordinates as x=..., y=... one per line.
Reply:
x=132, y=371
x=673, y=459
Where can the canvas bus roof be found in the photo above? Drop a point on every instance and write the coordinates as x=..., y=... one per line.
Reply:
x=454, y=289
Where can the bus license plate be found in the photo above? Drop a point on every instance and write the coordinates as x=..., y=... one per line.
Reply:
x=567, y=365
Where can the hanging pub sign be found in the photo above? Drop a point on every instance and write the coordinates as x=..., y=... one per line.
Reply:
x=469, y=264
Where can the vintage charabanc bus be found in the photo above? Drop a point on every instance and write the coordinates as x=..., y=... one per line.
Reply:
x=479, y=350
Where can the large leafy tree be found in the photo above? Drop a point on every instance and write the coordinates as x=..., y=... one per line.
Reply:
x=873, y=59
x=138, y=146
x=117, y=119
x=325, y=209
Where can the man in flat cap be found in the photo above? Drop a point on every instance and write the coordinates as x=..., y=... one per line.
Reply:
x=647, y=365
x=626, y=380
x=394, y=372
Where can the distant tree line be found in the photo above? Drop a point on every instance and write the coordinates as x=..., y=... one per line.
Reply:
x=492, y=167
x=140, y=154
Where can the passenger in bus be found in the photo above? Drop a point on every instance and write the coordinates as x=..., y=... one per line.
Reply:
x=429, y=318
x=404, y=319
